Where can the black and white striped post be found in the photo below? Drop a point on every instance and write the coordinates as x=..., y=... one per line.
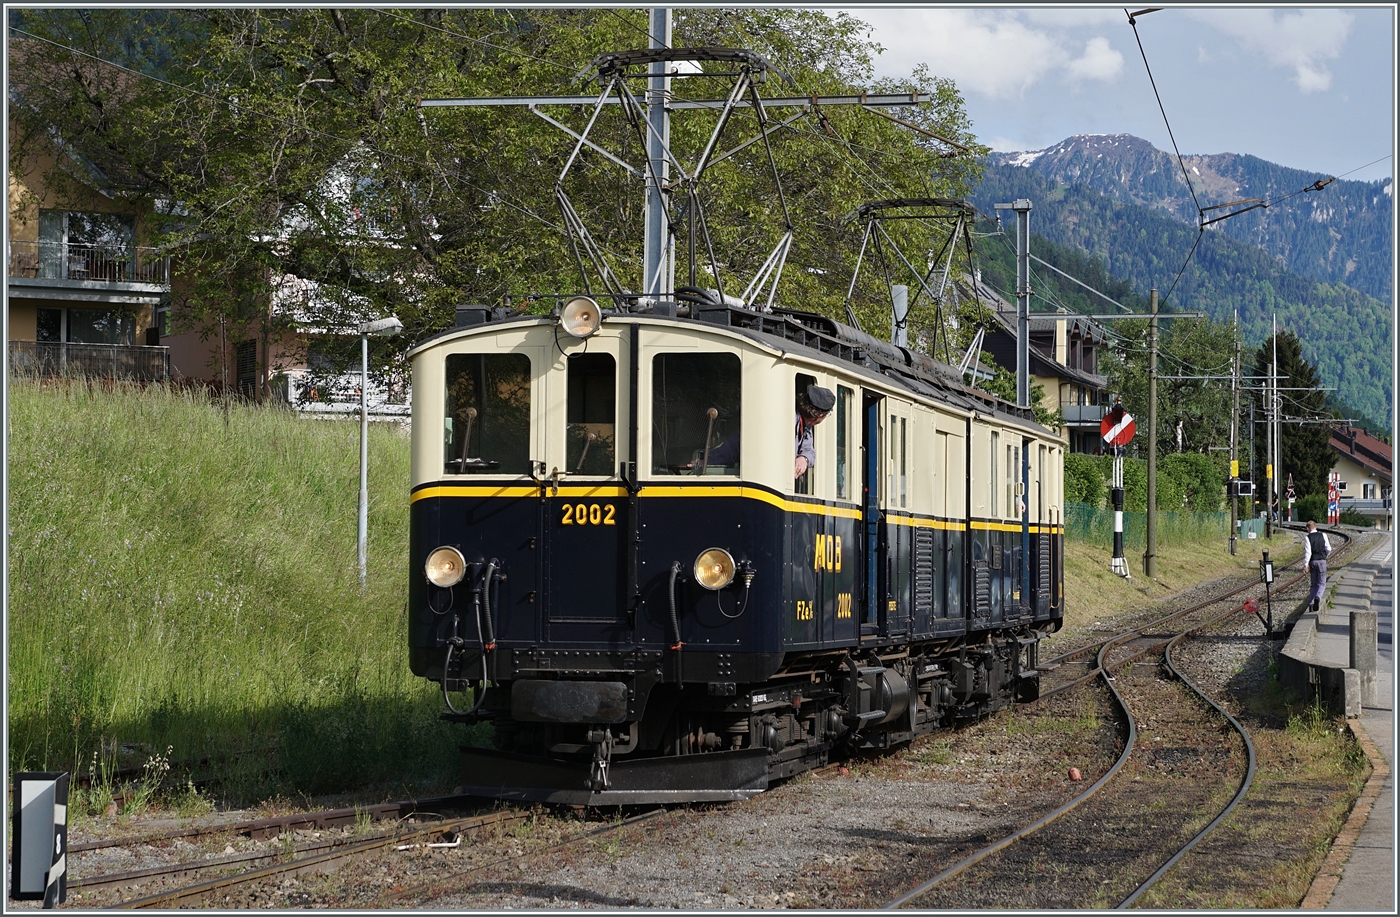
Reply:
x=1117, y=430
x=1120, y=563
x=39, y=860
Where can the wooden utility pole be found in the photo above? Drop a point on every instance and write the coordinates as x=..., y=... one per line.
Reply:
x=1270, y=441
x=1235, y=442
x=1149, y=557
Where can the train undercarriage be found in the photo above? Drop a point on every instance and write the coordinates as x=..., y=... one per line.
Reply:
x=571, y=740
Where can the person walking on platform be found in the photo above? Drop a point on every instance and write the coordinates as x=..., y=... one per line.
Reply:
x=1316, y=547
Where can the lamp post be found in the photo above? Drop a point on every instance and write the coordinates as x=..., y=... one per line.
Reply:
x=386, y=326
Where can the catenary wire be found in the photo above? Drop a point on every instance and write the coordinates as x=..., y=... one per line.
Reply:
x=1150, y=79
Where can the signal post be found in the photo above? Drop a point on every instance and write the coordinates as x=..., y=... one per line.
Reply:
x=1117, y=429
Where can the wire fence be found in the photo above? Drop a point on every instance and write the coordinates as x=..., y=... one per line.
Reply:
x=1087, y=523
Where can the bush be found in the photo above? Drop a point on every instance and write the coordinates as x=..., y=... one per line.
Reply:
x=1195, y=478
x=1311, y=508
x=1084, y=480
x=1352, y=517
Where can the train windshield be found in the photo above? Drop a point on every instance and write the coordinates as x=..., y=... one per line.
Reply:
x=488, y=414
x=695, y=413
x=592, y=414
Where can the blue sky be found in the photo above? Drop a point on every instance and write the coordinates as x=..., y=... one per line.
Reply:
x=1308, y=88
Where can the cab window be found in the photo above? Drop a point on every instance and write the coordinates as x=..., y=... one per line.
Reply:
x=695, y=413
x=487, y=427
x=592, y=414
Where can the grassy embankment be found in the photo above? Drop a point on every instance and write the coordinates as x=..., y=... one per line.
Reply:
x=184, y=578
x=1093, y=593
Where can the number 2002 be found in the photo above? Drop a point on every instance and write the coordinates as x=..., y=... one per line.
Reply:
x=589, y=514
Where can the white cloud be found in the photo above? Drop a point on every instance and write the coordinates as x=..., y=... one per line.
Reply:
x=1099, y=62
x=1304, y=40
x=999, y=54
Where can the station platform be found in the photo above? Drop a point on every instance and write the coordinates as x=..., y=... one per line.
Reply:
x=1359, y=873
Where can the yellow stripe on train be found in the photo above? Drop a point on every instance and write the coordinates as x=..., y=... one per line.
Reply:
x=610, y=491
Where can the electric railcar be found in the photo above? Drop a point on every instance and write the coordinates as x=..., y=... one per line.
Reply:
x=642, y=624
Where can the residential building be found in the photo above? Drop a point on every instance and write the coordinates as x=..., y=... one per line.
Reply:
x=1363, y=464
x=84, y=295
x=1064, y=350
x=87, y=298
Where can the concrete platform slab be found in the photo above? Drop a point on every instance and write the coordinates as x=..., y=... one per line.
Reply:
x=1359, y=875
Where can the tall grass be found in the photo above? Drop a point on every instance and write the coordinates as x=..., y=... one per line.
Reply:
x=183, y=574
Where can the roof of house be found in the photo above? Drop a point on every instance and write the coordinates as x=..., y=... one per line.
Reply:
x=1042, y=363
x=1362, y=448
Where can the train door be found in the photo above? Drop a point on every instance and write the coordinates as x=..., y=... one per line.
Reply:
x=938, y=532
x=1023, y=587
x=956, y=509
x=898, y=532
x=1043, y=537
x=840, y=562
x=873, y=572
x=585, y=508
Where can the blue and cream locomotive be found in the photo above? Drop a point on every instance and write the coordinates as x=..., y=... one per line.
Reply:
x=643, y=624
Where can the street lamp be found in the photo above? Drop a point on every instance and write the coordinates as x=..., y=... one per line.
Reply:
x=384, y=326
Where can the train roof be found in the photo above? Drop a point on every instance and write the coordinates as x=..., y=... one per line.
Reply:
x=826, y=339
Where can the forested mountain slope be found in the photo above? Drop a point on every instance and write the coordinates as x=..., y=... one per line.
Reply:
x=1346, y=334
x=1339, y=234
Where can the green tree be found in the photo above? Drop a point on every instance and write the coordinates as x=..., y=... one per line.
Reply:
x=1193, y=414
x=277, y=144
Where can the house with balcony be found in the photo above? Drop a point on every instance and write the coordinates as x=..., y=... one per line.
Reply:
x=85, y=296
x=1064, y=350
x=1364, y=469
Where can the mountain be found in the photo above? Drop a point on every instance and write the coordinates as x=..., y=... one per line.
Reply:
x=1346, y=333
x=1338, y=234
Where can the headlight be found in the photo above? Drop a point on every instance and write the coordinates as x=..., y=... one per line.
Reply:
x=445, y=567
x=714, y=569
x=580, y=317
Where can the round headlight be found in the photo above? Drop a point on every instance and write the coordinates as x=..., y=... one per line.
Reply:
x=445, y=567
x=714, y=569
x=581, y=316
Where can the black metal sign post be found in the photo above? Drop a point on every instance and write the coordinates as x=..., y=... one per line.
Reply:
x=1266, y=573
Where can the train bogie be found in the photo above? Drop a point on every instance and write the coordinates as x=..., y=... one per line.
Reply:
x=654, y=605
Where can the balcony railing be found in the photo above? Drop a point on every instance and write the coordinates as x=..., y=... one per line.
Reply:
x=67, y=261
x=47, y=359
x=1371, y=507
x=1083, y=413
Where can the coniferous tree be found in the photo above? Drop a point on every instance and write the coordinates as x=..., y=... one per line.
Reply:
x=1304, y=452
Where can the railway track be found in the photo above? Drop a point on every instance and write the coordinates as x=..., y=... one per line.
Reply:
x=319, y=858
x=228, y=876
x=261, y=879
x=1189, y=761
x=1079, y=665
